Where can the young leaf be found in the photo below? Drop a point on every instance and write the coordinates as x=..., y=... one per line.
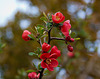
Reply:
x=31, y=36
x=45, y=15
x=32, y=54
x=28, y=71
x=76, y=38
x=73, y=34
x=43, y=18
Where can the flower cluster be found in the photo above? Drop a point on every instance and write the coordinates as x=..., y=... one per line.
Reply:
x=49, y=59
x=59, y=17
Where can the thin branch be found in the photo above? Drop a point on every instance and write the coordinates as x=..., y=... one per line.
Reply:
x=56, y=38
x=49, y=38
x=41, y=73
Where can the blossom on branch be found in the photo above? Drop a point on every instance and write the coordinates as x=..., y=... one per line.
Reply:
x=65, y=27
x=45, y=47
x=25, y=35
x=49, y=61
x=58, y=17
x=33, y=75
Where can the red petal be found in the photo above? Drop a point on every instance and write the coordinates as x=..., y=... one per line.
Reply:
x=46, y=47
x=67, y=24
x=55, y=50
x=54, y=55
x=54, y=63
x=43, y=64
x=64, y=30
x=50, y=68
x=44, y=56
x=38, y=76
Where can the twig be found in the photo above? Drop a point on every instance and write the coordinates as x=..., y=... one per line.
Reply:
x=56, y=38
x=49, y=38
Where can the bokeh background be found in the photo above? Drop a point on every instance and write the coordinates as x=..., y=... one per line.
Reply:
x=18, y=15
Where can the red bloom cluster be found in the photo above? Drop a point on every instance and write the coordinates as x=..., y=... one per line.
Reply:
x=25, y=35
x=49, y=59
x=59, y=17
x=33, y=75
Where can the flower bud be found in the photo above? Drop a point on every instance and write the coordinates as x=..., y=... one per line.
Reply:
x=68, y=38
x=70, y=54
x=25, y=35
x=70, y=48
x=71, y=40
x=45, y=47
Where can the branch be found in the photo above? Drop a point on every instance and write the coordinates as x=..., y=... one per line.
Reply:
x=41, y=73
x=49, y=38
x=56, y=38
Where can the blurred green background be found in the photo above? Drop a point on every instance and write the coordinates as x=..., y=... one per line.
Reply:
x=18, y=15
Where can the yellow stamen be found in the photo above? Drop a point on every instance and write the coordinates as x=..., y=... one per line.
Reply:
x=57, y=18
x=48, y=61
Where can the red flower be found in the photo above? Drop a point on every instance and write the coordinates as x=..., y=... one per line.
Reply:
x=33, y=75
x=70, y=54
x=58, y=17
x=49, y=61
x=45, y=47
x=65, y=27
x=25, y=35
x=70, y=48
x=56, y=51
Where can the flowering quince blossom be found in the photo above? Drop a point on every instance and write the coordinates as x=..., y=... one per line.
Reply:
x=56, y=51
x=33, y=75
x=58, y=17
x=25, y=35
x=45, y=47
x=49, y=61
x=65, y=27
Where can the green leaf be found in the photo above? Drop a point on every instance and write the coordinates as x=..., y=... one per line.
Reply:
x=28, y=71
x=31, y=36
x=45, y=15
x=38, y=51
x=44, y=36
x=40, y=25
x=43, y=18
x=40, y=30
x=32, y=53
x=49, y=24
x=76, y=38
x=73, y=34
x=62, y=35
